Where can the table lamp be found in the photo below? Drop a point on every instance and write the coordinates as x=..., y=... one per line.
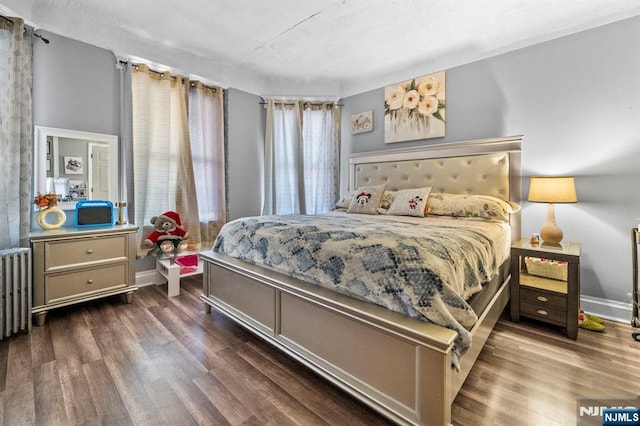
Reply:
x=552, y=190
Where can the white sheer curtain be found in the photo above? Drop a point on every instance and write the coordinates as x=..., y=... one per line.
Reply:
x=163, y=173
x=321, y=153
x=301, y=157
x=15, y=133
x=284, y=184
x=206, y=131
x=178, y=151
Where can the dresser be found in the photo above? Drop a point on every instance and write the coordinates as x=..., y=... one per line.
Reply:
x=76, y=265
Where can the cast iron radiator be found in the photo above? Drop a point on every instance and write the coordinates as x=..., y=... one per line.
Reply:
x=15, y=286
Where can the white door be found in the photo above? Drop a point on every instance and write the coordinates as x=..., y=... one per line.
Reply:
x=98, y=187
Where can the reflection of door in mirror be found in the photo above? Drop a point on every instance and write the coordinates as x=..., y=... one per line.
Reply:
x=98, y=186
x=81, y=160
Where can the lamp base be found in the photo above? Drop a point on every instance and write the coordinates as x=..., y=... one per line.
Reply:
x=551, y=232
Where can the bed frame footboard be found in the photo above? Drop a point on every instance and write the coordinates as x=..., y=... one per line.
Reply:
x=399, y=366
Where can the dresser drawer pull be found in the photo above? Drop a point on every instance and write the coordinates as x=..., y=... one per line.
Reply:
x=542, y=299
x=542, y=312
x=90, y=251
x=89, y=281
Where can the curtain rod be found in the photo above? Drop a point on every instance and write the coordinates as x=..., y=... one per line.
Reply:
x=192, y=83
x=305, y=102
x=45, y=40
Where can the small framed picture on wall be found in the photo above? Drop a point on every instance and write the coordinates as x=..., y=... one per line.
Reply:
x=73, y=165
x=362, y=122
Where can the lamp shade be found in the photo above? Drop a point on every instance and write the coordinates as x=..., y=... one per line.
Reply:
x=552, y=189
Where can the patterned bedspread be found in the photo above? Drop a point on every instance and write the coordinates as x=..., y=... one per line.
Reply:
x=423, y=268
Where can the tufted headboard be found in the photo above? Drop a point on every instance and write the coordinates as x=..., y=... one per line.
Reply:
x=487, y=166
x=474, y=174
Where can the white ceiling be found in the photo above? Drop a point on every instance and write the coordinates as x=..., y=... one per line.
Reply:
x=315, y=47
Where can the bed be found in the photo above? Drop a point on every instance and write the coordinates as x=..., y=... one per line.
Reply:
x=408, y=369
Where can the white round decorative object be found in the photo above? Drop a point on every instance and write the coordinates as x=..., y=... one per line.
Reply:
x=42, y=218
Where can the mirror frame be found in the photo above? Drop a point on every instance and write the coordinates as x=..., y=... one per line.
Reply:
x=40, y=159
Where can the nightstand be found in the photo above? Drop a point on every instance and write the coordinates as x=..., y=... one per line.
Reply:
x=549, y=300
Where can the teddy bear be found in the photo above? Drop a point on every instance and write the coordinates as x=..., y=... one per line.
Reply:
x=167, y=227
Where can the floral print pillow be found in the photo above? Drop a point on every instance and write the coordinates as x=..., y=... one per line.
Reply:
x=387, y=199
x=481, y=206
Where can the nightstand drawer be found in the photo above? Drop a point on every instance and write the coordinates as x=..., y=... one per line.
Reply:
x=543, y=298
x=544, y=313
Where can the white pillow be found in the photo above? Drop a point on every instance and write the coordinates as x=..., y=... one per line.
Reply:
x=345, y=201
x=367, y=199
x=410, y=202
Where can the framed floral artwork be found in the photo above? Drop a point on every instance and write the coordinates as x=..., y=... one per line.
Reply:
x=415, y=109
x=362, y=122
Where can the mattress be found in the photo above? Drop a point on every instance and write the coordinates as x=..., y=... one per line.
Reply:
x=426, y=268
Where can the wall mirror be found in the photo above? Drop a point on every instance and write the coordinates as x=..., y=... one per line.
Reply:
x=75, y=165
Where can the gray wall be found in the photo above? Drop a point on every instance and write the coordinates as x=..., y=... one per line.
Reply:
x=244, y=154
x=576, y=101
x=75, y=86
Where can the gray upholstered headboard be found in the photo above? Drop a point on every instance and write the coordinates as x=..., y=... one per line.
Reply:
x=487, y=166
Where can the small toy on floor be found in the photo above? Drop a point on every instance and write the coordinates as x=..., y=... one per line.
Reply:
x=590, y=322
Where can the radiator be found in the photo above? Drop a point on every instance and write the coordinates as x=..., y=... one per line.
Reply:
x=15, y=286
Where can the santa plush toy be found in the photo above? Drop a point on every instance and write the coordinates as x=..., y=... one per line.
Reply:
x=167, y=227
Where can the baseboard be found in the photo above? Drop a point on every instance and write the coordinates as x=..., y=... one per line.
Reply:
x=609, y=309
x=149, y=277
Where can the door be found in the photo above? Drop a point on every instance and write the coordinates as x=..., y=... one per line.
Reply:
x=98, y=172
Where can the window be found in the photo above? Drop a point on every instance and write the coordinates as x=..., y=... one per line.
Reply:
x=178, y=157
x=301, y=150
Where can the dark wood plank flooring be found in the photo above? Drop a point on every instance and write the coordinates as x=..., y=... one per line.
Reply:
x=164, y=361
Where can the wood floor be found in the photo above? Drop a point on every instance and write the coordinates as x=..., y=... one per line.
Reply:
x=164, y=361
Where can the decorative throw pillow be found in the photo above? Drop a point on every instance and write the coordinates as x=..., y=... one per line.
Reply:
x=410, y=202
x=367, y=199
x=387, y=199
x=460, y=205
x=345, y=201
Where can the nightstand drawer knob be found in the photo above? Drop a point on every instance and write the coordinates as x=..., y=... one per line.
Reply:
x=542, y=312
x=89, y=281
x=542, y=299
x=90, y=251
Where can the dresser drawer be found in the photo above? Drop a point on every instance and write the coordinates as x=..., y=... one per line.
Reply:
x=86, y=251
x=544, y=313
x=73, y=285
x=543, y=298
